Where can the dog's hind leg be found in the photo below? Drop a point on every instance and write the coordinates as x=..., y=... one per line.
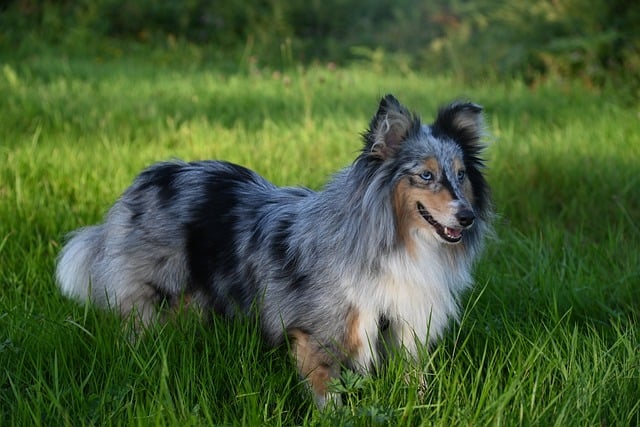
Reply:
x=317, y=366
x=139, y=302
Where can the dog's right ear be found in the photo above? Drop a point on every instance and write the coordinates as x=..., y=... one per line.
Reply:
x=388, y=129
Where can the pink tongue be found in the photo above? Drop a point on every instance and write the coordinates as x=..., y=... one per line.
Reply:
x=452, y=232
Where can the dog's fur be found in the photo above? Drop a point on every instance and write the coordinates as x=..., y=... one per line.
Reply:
x=379, y=256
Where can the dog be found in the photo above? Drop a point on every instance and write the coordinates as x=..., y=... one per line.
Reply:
x=379, y=257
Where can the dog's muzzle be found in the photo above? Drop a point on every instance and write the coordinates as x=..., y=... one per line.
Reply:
x=465, y=218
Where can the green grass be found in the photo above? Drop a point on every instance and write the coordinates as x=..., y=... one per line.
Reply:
x=550, y=334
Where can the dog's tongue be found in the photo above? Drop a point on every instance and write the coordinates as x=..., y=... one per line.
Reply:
x=452, y=232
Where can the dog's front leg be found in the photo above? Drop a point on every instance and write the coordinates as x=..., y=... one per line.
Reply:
x=408, y=340
x=317, y=366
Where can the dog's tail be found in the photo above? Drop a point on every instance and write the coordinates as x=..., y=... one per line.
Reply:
x=77, y=260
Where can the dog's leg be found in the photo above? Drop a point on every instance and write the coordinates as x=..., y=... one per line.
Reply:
x=361, y=340
x=138, y=302
x=317, y=366
x=405, y=338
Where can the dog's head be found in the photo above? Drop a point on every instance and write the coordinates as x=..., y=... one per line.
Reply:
x=434, y=171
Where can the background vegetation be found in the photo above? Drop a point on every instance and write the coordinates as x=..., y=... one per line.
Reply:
x=92, y=92
x=595, y=40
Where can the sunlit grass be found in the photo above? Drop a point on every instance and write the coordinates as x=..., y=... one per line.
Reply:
x=550, y=333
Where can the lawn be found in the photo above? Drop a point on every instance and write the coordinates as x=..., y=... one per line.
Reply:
x=550, y=333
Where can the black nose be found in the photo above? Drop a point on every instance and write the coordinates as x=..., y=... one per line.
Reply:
x=465, y=217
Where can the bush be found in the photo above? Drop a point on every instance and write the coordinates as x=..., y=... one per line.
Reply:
x=596, y=40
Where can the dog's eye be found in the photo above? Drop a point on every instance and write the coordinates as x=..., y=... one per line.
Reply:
x=427, y=176
x=461, y=175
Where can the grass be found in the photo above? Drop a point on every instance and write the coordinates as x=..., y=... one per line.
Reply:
x=550, y=334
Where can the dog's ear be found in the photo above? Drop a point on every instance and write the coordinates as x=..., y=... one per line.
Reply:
x=389, y=128
x=462, y=122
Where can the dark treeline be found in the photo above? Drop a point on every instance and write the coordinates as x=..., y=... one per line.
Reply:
x=596, y=40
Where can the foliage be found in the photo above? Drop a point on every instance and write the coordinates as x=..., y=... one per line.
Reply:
x=598, y=41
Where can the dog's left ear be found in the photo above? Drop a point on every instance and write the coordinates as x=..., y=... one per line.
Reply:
x=389, y=128
x=462, y=122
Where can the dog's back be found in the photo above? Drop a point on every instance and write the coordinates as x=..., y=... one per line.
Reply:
x=173, y=232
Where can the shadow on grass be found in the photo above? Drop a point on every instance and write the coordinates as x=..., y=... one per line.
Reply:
x=569, y=240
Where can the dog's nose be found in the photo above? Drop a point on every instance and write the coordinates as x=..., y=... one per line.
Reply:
x=465, y=217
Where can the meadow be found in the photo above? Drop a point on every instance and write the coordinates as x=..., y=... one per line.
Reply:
x=550, y=334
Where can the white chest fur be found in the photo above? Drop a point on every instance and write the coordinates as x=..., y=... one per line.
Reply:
x=417, y=297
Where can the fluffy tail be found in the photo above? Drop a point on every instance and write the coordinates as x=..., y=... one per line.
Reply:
x=76, y=262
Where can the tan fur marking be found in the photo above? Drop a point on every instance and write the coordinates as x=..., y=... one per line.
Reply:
x=185, y=300
x=352, y=341
x=434, y=202
x=406, y=196
x=407, y=216
x=438, y=202
x=313, y=363
x=432, y=165
x=178, y=306
x=457, y=164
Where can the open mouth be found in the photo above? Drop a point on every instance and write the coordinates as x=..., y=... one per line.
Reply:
x=451, y=235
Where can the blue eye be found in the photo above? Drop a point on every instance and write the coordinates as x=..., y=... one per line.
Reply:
x=461, y=175
x=427, y=176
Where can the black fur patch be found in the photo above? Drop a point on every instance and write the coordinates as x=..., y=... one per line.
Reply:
x=449, y=122
x=163, y=177
x=383, y=323
x=468, y=138
x=447, y=185
x=299, y=281
x=211, y=234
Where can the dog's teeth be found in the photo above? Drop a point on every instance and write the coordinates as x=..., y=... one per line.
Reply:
x=453, y=233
